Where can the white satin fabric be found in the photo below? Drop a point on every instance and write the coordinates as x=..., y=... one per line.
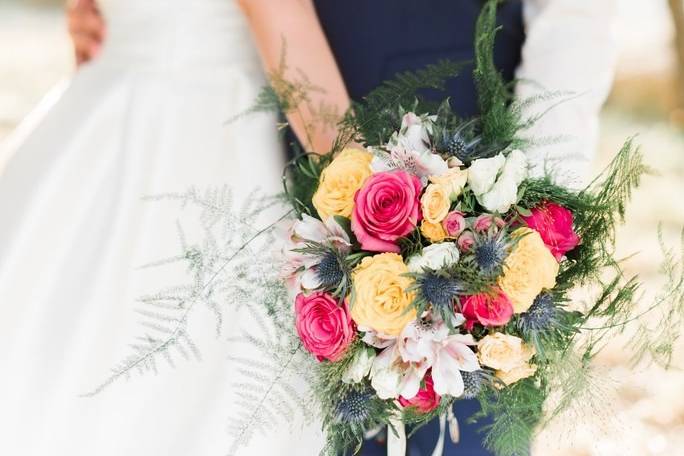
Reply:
x=146, y=117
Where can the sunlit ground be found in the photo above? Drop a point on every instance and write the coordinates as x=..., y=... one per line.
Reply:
x=645, y=414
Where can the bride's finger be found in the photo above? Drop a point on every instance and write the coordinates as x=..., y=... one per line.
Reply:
x=85, y=47
x=86, y=24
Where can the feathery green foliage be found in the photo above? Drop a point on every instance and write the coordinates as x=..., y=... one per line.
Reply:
x=515, y=412
x=498, y=123
x=377, y=117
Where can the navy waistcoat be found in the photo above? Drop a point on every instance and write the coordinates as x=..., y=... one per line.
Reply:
x=374, y=39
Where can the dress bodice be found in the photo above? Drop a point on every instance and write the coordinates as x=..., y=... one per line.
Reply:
x=374, y=40
x=176, y=33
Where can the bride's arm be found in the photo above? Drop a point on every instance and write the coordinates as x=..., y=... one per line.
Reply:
x=570, y=47
x=295, y=24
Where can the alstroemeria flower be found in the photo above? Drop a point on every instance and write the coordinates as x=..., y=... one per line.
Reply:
x=414, y=133
x=429, y=344
x=392, y=377
x=421, y=164
x=409, y=150
x=453, y=356
x=300, y=268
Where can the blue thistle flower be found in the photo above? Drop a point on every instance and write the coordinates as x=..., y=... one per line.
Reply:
x=457, y=146
x=439, y=290
x=330, y=270
x=354, y=407
x=472, y=383
x=541, y=315
x=456, y=143
x=490, y=254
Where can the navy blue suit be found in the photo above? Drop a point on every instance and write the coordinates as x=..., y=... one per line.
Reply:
x=373, y=40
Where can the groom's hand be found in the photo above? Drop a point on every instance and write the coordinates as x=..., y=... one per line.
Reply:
x=86, y=28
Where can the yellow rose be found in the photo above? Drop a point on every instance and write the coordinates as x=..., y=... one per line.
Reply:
x=528, y=270
x=339, y=182
x=380, y=298
x=452, y=181
x=508, y=355
x=434, y=232
x=435, y=203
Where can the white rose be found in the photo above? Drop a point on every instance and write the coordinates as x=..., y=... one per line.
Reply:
x=483, y=172
x=360, y=367
x=499, y=199
x=385, y=377
x=500, y=193
x=435, y=257
x=516, y=166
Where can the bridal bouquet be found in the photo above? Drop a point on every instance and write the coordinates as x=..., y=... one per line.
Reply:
x=427, y=275
x=428, y=265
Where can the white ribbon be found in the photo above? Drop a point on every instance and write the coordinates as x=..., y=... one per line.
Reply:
x=439, y=448
x=396, y=441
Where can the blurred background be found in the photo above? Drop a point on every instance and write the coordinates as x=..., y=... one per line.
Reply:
x=646, y=409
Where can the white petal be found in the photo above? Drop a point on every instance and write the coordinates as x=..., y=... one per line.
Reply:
x=462, y=356
x=446, y=377
x=310, y=228
x=310, y=280
x=438, y=256
x=483, y=172
x=515, y=167
x=430, y=164
x=381, y=163
x=503, y=194
x=416, y=263
x=384, y=379
x=410, y=385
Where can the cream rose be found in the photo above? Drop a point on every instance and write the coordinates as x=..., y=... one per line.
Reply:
x=508, y=355
x=435, y=203
x=452, y=181
x=517, y=373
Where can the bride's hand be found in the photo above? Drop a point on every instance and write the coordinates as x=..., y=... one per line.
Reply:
x=294, y=23
x=86, y=28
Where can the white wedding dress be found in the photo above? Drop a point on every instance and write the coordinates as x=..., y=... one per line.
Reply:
x=148, y=116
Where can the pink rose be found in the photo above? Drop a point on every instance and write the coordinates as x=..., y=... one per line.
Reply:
x=386, y=208
x=454, y=223
x=426, y=400
x=487, y=309
x=465, y=241
x=554, y=224
x=324, y=326
x=484, y=222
